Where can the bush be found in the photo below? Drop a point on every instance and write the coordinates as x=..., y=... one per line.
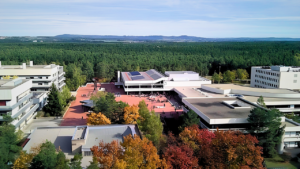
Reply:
x=47, y=115
x=40, y=113
x=72, y=98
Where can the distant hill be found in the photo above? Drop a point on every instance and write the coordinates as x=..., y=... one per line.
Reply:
x=169, y=38
x=114, y=38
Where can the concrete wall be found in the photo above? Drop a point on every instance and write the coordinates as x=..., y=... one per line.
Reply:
x=287, y=80
x=184, y=76
x=185, y=83
x=76, y=145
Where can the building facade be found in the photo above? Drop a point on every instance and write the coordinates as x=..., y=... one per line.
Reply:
x=17, y=101
x=154, y=81
x=286, y=77
x=42, y=76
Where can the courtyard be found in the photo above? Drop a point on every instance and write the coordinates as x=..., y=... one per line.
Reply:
x=76, y=115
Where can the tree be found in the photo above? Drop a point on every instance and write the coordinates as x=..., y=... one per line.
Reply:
x=97, y=119
x=150, y=124
x=266, y=126
x=65, y=95
x=141, y=153
x=261, y=102
x=15, y=77
x=76, y=162
x=53, y=106
x=61, y=162
x=6, y=77
x=9, y=144
x=242, y=74
x=229, y=76
x=96, y=96
x=233, y=149
x=107, y=154
x=24, y=159
x=46, y=158
x=216, y=77
x=131, y=114
x=178, y=157
x=188, y=119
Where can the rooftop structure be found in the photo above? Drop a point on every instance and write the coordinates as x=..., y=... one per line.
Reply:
x=79, y=139
x=287, y=77
x=250, y=91
x=42, y=75
x=154, y=81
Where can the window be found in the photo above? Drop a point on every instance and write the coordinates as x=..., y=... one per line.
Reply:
x=46, y=83
x=31, y=77
x=295, y=75
x=33, y=89
x=40, y=77
x=40, y=83
x=295, y=81
x=2, y=102
x=87, y=153
x=47, y=77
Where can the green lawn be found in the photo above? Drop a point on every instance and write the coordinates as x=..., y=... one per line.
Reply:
x=278, y=162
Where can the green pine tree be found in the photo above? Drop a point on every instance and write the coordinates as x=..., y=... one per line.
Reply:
x=265, y=124
x=53, y=106
x=188, y=119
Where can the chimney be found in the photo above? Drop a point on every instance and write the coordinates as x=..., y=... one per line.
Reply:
x=31, y=63
x=24, y=66
x=118, y=76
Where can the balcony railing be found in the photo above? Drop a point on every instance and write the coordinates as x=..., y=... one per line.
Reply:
x=9, y=108
x=30, y=112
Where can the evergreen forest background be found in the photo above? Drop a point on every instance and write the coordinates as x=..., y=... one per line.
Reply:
x=83, y=61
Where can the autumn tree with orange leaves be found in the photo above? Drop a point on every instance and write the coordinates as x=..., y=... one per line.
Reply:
x=219, y=149
x=131, y=114
x=133, y=153
x=97, y=119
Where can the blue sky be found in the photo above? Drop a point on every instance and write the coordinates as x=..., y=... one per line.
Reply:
x=203, y=18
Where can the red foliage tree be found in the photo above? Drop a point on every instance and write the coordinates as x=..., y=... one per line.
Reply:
x=180, y=157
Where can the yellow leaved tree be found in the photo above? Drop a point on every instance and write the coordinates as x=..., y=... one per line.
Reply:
x=133, y=153
x=97, y=119
x=24, y=159
x=131, y=114
x=6, y=77
x=15, y=76
x=141, y=153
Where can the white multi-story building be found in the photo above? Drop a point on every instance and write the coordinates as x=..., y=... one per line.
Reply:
x=286, y=77
x=42, y=76
x=154, y=81
x=228, y=106
x=17, y=101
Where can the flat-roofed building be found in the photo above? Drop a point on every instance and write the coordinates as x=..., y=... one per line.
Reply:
x=80, y=139
x=17, y=101
x=154, y=81
x=42, y=76
x=286, y=77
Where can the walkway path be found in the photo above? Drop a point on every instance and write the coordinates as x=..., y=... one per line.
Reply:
x=75, y=115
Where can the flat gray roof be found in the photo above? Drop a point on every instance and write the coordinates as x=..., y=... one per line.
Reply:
x=4, y=81
x=59, y=136
x=269, y=99
x=106, y=133
x=213, y=108
x=238, y=87
x=180, y=72
x=27, y=67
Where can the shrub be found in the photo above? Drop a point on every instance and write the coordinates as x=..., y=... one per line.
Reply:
x=47, y=115
x=72, y=98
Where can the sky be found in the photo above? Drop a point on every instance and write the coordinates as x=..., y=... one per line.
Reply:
x=202, y=18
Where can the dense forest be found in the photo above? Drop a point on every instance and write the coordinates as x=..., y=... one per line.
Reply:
x=83, y=61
